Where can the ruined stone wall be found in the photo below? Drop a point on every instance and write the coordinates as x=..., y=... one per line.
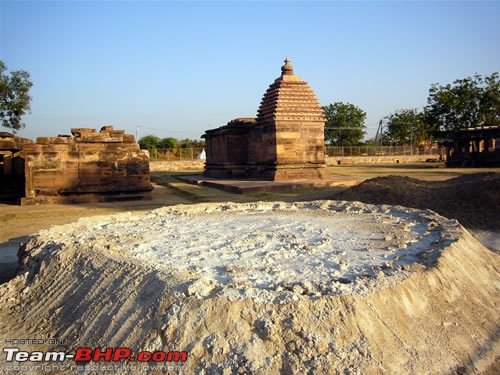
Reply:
x=90, y=166
x=11, y=166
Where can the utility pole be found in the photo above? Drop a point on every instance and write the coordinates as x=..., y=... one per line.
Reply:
x=411, y=136
x=137, y=133
x=380, y=134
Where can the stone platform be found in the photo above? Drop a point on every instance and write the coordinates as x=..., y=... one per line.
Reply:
x=92, y=197
x=256, y=186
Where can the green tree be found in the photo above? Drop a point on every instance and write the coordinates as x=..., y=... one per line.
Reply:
x=490, y=101
x=345, y=124
x=15, y=99
x=149, y=142
x=191, y=143
x=468, y=103
x=407, y=127
x=169, y=142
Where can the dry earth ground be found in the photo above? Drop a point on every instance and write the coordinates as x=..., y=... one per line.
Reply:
x=471, y=198
x=16, y=223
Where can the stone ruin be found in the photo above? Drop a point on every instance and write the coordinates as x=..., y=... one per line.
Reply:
x=89, y=166
x=474, y=147
x=285, y=141
x=11, y=165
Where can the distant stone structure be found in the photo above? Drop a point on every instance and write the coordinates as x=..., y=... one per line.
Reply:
x=89, y=166
x=11, y=165
x=474, y=147
x=285, y=141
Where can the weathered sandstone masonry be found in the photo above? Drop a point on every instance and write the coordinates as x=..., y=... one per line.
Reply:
x=89, y=166
x=11, y=165
x=284, y=142
x=474, y=147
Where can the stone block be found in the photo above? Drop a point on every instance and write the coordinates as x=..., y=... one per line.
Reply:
x=128, y=138
x=6, y=144
x=91, y=147
x=44, y=180
x=107, y=128
x=43, y=140
x=92, y=138
x=77, y=132
x=62, y=140
x=56, y=147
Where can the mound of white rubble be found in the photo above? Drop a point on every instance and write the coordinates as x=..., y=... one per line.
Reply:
x=265, y=288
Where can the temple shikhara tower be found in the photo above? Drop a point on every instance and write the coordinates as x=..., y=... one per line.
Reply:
x=285, y=141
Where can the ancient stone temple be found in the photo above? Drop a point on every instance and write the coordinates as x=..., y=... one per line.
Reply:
x=89, y=166
x=285, y=141
x=474, y=147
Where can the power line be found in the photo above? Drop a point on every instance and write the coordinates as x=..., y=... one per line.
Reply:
x=163, y=131
x=346, y=127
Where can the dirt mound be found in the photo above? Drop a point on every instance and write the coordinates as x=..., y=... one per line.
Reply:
x=91, y=284
x=474, y=200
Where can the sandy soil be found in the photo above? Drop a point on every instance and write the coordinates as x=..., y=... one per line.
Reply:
x=19, y=223
x=474, y=200
x=434, y=312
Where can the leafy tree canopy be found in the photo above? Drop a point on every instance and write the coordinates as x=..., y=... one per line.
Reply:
x=149, y=142
x=407, y=127
x=191, y=143
x=152, y=141
x=14, y=97
x=345, y=124
x=169, y=142
x=468, y=103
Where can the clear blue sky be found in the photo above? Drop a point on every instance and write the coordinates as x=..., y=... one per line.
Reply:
x=183, y=67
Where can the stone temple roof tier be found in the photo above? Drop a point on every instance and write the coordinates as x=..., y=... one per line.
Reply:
x=289, y=98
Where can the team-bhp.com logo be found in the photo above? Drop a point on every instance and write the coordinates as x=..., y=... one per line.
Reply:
x=95, y=355
x=89, y=355
x=120, y=354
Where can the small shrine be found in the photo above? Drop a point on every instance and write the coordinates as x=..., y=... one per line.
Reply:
x=284, y=142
